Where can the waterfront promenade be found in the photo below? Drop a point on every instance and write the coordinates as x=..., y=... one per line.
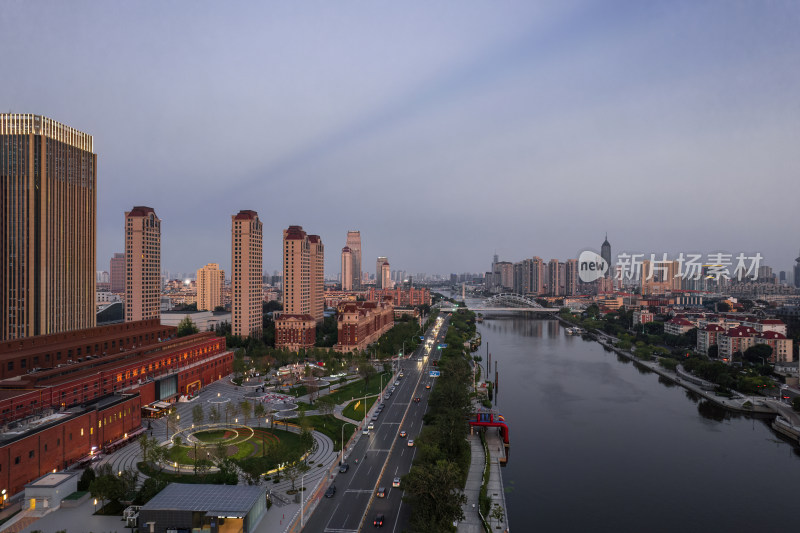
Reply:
x=473, y=521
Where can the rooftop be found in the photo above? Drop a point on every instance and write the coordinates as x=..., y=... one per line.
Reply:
x=219, y=500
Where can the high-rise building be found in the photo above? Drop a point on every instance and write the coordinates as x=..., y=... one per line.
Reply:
x=48, y=184
x=296, y=272
x=247, y=258
x=379, y=281
x=316, y=265
x=571, y=277
x=142, y=264
x=386, y=276
x=553, y=281
x=117, y=270
x=354, y=243
x=210, y=280
x=605, y=253
x=797, y=272
x=347, y=269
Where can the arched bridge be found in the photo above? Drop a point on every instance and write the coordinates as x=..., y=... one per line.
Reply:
x=511, y=302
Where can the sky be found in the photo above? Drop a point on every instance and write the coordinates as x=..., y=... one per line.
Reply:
x=445, y=131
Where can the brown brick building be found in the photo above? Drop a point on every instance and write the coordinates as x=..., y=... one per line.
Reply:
x=401, y=297
x=361, y=323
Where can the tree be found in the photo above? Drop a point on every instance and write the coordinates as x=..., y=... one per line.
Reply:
x=434, y=493
x=259, y=411
x=294, y=470
x=202, y=466
x=150, y=487
x=107, y=487
x=246, y=408
x=214, y=415
x=186, y=327
x=198, y=416
x=326, y=405
x=130, y=478
x=757, y=352
x=86, y=479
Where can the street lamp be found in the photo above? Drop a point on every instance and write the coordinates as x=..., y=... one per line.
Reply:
x=302, y=499
x=343, y=425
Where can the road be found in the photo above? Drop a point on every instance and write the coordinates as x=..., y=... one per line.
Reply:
x=383, y=456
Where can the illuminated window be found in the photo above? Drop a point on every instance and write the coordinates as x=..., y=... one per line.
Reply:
x=81, y=432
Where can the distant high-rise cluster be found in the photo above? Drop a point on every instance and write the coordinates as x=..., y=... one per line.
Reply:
x=797, y=272
x=116, y=268
x=247, y=259
x=142, y=264
x=48, y=198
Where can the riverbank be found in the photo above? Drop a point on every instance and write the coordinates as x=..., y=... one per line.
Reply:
x=787, y=422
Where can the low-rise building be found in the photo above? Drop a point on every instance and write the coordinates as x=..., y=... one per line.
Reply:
x=401, y=297
x=736, y=339
x=295, y=332
x=643, y=316
x=782, y=349
x=707, y=336
x=360, y=324
x=678, y=326
x=196, y=507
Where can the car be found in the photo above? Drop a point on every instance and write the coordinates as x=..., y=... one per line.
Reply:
x=330, y=492
x=388, y=395
x=403, y=434
x=344, y=467
x=375, y=417
x=365, y=431
x=395, y=483
x=391, y=390
x=371, y=425
x=416, y=399
x=428, y=386
x=378, y=522
x=410, y=442
x=381, y=492
x=383, y=404
x=396, y=383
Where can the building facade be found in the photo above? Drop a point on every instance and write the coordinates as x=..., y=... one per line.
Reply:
x=48, y=199
x=316, y=266
x=142, y=264
x=247, y=258
x=117, y=268
x=295, y=332
x=210, y=280
x=401, y=297
x=347, y=269
x=359, y=324
x=354, y=243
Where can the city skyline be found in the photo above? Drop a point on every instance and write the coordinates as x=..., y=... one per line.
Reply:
x=489, y=124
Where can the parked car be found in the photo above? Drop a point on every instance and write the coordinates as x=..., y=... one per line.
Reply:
x=330, y=492
x=344, y=467
x=396, y=383
x=371, y=425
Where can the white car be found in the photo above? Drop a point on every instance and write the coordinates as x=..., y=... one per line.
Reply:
x=371, y=425
x=396, y=383
x=410, y=442
x=396, y=482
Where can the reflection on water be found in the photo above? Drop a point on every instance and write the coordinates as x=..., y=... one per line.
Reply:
x=590, y=432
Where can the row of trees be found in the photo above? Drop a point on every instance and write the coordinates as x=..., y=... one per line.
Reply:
x=434, y=484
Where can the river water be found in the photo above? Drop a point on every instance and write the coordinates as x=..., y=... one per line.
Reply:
x=600, y=444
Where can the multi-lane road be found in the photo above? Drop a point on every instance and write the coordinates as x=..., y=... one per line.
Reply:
x=377, y=459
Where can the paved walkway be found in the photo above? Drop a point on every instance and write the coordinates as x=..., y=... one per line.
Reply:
x=472, y=521
x=495, y=488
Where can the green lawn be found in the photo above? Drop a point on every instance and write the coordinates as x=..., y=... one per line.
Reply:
x=358, y=388
x=357, y=413
x=331, y=426
x=249, y=448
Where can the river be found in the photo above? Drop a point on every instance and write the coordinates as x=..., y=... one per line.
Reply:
x=600, y=444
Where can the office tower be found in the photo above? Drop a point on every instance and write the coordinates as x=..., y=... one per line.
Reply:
x=48, y=202
x=210, y=280
x=117, y=273
x=379, y=282
x=354, y=243
x=142, y=264
x=571, y=277
x=247, y=257
x=316, y=264
x=605, y=253
x=553, y=282
x=347, y=269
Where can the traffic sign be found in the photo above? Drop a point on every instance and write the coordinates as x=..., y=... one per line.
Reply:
x=435, y=373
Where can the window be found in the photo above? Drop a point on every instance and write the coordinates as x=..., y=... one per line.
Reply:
x=16, y=460
x=11, y=365
x=30, y=454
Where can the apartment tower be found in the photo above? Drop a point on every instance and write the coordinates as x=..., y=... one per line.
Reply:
x=116, y=269
x=247, y=257
x=354, y=243
x=347, y=269
x=48, y=197
x=210, y=280
x=142, y=264
x=379, y=282
x=316, y=264
x=386, y=276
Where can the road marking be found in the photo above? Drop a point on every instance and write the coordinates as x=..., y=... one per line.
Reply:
x=332, y=515
x=358, y=491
